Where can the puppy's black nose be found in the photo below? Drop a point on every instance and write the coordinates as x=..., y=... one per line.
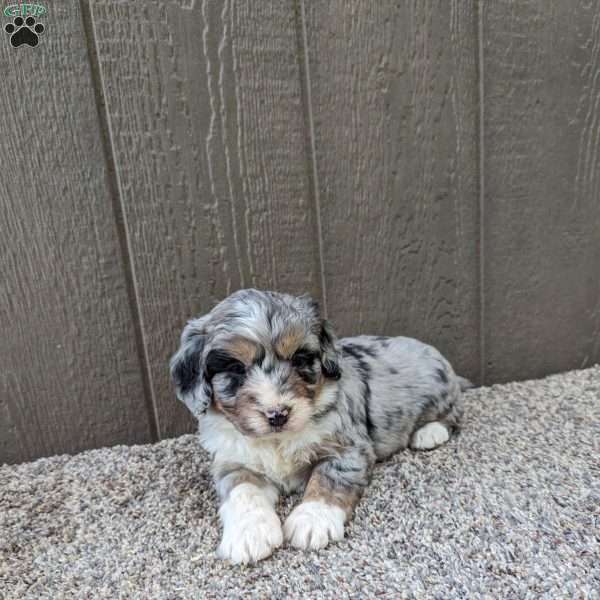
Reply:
x=277, y=418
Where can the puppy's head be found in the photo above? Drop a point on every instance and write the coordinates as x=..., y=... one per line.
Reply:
x=259, y=358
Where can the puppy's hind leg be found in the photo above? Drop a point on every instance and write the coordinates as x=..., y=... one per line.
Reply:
x=430, y=436
x=437, y=432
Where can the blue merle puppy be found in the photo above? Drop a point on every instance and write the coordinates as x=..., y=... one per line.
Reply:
x=283, y=405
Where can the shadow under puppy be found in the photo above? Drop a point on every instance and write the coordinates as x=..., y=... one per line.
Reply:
x=283, y=405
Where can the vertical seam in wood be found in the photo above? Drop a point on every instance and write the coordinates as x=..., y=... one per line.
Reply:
x=311, y=151
x=116, y=195
x=480, y=70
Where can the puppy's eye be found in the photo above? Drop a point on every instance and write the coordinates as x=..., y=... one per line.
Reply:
x=303, y=359
x=218, y=361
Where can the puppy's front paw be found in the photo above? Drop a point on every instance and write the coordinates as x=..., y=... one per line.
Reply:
x=313, y=524
x=251, y=542
x=251, y=528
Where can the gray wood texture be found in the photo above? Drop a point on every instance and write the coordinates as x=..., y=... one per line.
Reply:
x=70, y=377
x=395, y=117
x=429, y=169
x=542, y=187
x=209, y=139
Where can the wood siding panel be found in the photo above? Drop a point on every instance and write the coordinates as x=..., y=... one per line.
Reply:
x=156, y=156
x=205, y=109
x=394, y=97
x=542, y=191
x=70, y=376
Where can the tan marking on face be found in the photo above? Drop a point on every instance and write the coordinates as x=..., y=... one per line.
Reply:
x=289, y=341
x=302, y=389
x=242, y=349
x=244, y=415
x=321, y=488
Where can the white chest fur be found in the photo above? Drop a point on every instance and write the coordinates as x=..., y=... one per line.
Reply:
x=284, y=458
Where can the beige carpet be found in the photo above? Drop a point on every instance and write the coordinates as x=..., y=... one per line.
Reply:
x=509, y=509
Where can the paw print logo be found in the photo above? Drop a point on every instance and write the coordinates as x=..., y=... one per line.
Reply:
x=24, y=31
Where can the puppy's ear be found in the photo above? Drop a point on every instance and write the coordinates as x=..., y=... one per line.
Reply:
x=187, y=369
x=330, y=355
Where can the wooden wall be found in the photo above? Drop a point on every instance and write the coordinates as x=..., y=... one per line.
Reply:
x=424, y=168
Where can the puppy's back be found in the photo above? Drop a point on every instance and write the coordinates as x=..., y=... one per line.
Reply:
x=407, y=385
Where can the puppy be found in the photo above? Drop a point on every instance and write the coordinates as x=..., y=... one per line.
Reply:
x=283, y=405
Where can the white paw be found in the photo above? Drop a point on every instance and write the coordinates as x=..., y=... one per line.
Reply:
x=312, y=525
x=251, y=527
x=430, y=436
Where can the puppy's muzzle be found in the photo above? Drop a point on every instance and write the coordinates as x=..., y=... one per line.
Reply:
x=278, y=418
